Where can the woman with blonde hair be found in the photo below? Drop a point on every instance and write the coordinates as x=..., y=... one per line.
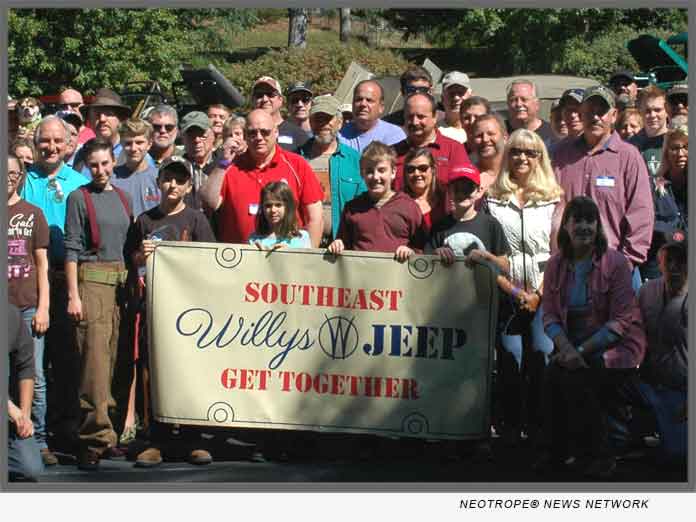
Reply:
x=523, y=199
x=670, y=196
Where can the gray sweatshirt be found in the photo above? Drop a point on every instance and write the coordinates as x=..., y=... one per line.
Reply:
x=113, y=226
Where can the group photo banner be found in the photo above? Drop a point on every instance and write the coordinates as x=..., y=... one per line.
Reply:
x=299, y=339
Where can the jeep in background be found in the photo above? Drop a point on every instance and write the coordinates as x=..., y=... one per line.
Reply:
x=659, y=61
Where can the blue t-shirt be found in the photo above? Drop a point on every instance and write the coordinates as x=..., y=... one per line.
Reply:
x=51, y=197
x=301, y=241
x=387, y=133
x=141, y=186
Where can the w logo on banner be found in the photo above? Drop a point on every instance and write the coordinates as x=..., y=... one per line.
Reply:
x=338, y=337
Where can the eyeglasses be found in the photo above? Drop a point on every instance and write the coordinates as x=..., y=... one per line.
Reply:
x=678, y=148
x=268, y=94
x=304, y=99
x=530, y=153
x=254, y=132
x=169, y=127
x=14, y=174
x=410, y=169
x=412, y=89
x=74, y=105
x=54, y=185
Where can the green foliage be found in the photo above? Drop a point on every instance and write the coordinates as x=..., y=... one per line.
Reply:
x=91, y=48
x=599, y=57
x=533, y=40
x=324, y=67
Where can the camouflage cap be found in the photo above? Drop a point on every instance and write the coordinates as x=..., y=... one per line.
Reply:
x=600, y=91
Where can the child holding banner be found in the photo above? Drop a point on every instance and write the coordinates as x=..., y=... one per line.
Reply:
x=171, y=220
x=380, y=220
x=276, y=224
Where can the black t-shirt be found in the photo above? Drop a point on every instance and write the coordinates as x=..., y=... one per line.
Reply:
x=650, y=148
x=187, y=225
x=484, y=232
x=544, y=131
x=291, y=137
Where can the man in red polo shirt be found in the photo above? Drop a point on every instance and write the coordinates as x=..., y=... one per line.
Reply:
x=420, y=125
x=235, y=188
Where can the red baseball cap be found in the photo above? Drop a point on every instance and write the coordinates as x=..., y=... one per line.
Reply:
x=466, y=171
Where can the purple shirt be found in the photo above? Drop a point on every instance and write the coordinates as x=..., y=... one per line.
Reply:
x=616, y=178
x=613, y=304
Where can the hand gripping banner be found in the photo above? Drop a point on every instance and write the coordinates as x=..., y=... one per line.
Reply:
x=302, y=339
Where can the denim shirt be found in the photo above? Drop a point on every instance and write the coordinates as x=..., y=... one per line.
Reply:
x=346, y=181
x=614, y=304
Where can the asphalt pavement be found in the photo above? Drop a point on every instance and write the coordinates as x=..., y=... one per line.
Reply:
x=367, y=459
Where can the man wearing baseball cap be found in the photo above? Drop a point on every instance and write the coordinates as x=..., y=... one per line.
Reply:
x=170, y=220
x=600, y=165
x=624, y=82
x=299, y=105
x=199, y=138
x=466, y=231
x=336, y=165
x=569, y=103
x=678, y=100
x=456, y=87
x=267, y=94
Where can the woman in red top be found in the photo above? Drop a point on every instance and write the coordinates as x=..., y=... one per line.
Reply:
x=420, y=182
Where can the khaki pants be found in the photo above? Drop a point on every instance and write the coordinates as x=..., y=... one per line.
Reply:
x=98, y=342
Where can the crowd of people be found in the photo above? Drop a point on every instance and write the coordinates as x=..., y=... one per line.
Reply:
x=583, y=220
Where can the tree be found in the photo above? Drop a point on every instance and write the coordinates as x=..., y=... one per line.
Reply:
x=298, y=22
x=91, y=48
x=345, y=24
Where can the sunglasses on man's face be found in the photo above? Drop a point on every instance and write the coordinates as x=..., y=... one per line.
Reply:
x=169, y=127
x=269, y=94
x=304, y=99
x=410, y=169
x=265, y=133
x=412, y=89
x=66, y=106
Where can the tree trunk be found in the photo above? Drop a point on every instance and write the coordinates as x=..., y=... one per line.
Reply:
x=297, y=34
x=345, y=23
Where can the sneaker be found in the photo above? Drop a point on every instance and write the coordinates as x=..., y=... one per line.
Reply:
x=128, y=435
x=200, y=457
x=601, y=468
x=48, y=457
x=149, y=458
x=88, y=460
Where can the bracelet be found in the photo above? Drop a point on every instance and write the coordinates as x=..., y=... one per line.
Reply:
x=515, y=292
x=223, y=163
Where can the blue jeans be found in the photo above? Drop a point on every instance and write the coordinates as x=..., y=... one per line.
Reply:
x=38, y=405
x=637, y=280
x=23, y=457
x=540, y=341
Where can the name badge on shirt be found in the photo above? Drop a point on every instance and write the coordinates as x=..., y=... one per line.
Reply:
x=253, y=209
x=285, y=139
x=605, y=181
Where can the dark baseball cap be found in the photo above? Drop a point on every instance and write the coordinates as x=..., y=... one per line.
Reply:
x=177, y=164
x=573, y=94
x=622, y=73
x=300, y=87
